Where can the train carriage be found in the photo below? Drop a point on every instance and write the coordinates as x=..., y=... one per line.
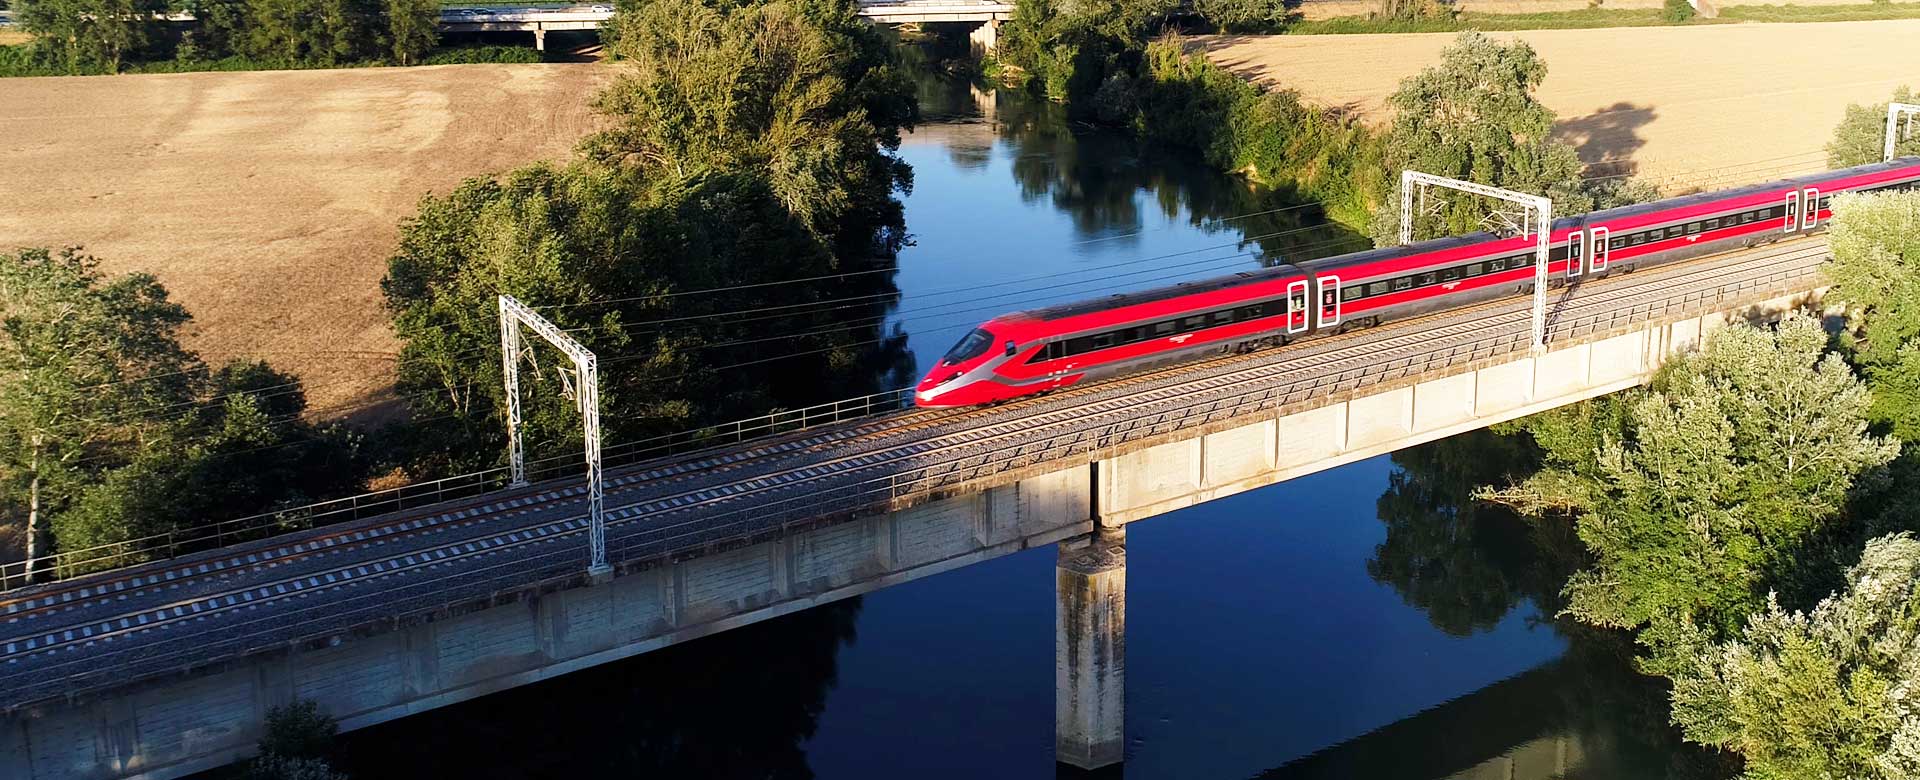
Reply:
x=1043, y=349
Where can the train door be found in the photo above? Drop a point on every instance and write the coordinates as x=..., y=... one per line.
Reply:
x=1297, y=306
x=1576, y=253
x=1329, y=301
x=1597, y=258
x=1792, y=222
x=1809, y=208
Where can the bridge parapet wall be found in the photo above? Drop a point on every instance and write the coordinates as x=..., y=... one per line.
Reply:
x=1163, y=477
x=174, y=727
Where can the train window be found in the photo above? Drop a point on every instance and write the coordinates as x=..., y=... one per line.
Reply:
x=1692, y=228
x=1713, y=224
x=1637, y=239
x=1195, y=322
x=1299, y=301
x=1424, y=279
x=1377, y=288
x=971, y=346
x=1163, y=328
x=1222, y=317
x=1676, y=231
x=1351, y=292
x=1102, y=341
x=1245, y=313
x=1134, y=334
x=1326, y=298
x=1616, y=243
x=1449, y=274
x=1403, y=283
x=1476, y=269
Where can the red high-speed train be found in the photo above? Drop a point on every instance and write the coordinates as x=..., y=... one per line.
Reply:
x=1035, y=351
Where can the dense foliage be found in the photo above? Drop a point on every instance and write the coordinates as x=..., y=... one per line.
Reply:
x=110, y=430
x=1067, y=48
x=748, y=180
x=1861, y=136
x=1696, y=495
x=1876, y=271
x=106, y=36
x=1474, y=117
x=297, y=744
x=1832, y=692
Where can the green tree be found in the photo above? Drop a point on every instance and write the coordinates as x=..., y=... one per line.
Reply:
x=314, y=31
x=413, y=29
x=1243, y=16
x=86, y=364
x=1861, y=136
x=1875, y=270
x=1677, y=10
x=605, y=255
x=237, y=448
x=82, y=35
x=1696, y=495
x=110, y=430
x=1826, y=693
x=297, y=742
x=803, y=94
x=1474, y=117
x=1068, y=48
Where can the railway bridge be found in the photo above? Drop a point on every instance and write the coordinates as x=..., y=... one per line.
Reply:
x=167, y=668
x=987, y=14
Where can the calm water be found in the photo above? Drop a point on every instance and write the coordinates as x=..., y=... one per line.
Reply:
x=1365, y=622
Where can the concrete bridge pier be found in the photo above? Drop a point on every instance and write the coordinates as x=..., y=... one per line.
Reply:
x=1090, y=658
x=985, y=38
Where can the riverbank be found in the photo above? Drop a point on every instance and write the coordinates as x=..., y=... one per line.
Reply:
x=1754, y=102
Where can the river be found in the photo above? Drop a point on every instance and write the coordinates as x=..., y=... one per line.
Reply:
x=1364, y=622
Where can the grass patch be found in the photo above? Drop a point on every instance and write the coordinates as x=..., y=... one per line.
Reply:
x=468, y=55
x=1821, y=13
x=1586, y=18
x=1589, y=18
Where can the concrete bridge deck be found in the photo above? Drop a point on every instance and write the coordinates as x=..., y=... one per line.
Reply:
x=166, y=668
x=541, y=20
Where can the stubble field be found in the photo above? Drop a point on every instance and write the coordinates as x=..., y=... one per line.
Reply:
x=1686, y=107
x=268, y=202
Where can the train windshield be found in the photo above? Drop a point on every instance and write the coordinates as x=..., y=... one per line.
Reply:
x=972, y=346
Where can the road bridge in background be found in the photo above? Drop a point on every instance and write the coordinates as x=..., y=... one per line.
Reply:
x=167, y=668
x=540, y=20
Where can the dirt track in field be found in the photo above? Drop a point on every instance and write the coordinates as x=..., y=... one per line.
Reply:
x=1686, y=107
x=268, y=202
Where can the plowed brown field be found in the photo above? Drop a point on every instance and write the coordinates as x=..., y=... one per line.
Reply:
x=1685, y=106
x=268, y=202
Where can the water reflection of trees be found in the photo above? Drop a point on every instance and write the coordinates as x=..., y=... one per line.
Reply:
x=1467, y=566
x=740, y=704
x=1095, y=176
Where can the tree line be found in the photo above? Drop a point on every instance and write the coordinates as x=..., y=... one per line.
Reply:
x=726, y=247
x=107, y=36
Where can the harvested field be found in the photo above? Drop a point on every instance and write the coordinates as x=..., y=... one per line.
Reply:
x=268, y=202
x=1686, y=107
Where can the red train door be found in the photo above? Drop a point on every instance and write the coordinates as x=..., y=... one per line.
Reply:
x=1792, y=222
x=1810, y=208
x=1297, y=306
x=1597, y=258
x=1329, y=301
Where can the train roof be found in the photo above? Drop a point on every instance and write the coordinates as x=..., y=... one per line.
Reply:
x=1076, y=308
x=1281, y=267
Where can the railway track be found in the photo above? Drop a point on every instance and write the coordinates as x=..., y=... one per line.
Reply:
x=98, y=631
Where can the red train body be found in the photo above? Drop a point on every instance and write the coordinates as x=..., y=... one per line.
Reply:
x=1035, y=351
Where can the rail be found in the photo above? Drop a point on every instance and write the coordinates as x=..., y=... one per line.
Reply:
x=174, y=542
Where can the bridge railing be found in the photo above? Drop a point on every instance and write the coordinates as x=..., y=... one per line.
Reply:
x=67, y=564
